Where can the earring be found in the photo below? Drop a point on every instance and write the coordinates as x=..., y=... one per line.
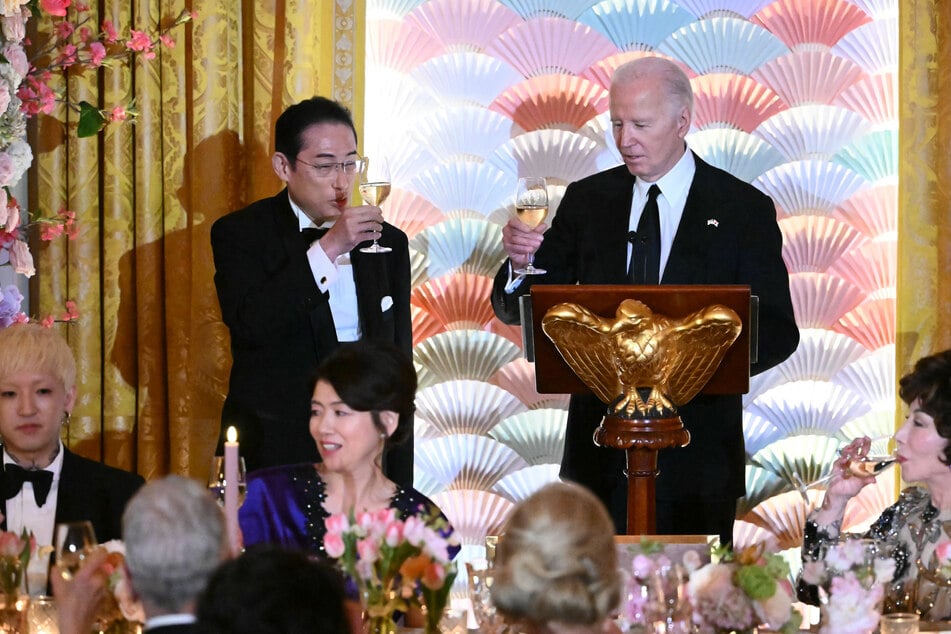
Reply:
x=383, y=435
x=65, y=421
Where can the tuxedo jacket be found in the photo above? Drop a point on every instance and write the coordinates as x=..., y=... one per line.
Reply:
x=281, y=327
x=728, y=234
x=90, y=490
x=181, y=628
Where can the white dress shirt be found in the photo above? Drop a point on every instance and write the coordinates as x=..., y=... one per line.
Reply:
x=335, y=278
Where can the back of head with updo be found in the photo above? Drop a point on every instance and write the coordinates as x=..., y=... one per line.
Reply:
x=556, y=560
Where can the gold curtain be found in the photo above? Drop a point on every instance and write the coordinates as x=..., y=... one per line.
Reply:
x=152, y=351
x=924, y=219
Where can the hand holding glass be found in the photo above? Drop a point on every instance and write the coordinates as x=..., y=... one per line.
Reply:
x=73, y=542
x=860, y=466
x=374, y=189
x=531, y=207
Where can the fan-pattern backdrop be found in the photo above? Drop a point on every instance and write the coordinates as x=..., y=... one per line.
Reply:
x=798, y=97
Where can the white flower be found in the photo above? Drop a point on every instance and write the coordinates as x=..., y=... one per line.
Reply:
x=14, y=162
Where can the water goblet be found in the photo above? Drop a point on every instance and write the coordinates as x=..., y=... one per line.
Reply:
x=481, y=576
x=374, y=189
x=73, y=541
x=531, y=207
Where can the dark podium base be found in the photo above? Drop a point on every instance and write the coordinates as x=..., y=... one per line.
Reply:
x=641, y=439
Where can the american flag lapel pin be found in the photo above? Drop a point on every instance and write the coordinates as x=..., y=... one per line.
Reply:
x=713, y=221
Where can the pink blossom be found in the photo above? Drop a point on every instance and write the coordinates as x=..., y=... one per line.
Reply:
x=17, y=58
x=21, y=258
x=384, y=516
x=851, y=608
x=943, y=552
x=50, y=231
x=85, y=33
x=72, y=312
x=81, y=7
x=13, y=26
x=333, y=544
x=67, y=56
x=167, y=40
x=140, y=41
x=337, y=524
x=364, y=520
x=55, y=7
x=109, y=31
x=97, y=53
x=48, y=321
x=10, y=544
x=118, y=113
x=642, y=566
x=64, y=29
x=368, y=550
x=414, y=530
x=11, y=212
x=393, y=534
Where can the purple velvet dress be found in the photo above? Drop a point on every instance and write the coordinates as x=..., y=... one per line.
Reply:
x=285, y=505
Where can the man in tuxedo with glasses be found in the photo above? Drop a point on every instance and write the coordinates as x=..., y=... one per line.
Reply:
x=664, y=216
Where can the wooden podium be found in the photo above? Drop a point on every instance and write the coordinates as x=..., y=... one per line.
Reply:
x=641, y=438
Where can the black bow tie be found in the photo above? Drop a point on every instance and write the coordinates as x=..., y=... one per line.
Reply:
x=311, y=234
x=14, y=476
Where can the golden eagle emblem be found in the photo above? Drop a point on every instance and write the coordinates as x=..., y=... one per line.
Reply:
x=670, y=360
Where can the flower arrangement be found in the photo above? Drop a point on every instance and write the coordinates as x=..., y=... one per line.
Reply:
x=74, y=44
x=121, y=606
x=741, y=591
x=850, y=580
x=15, y=553
x=395, y=564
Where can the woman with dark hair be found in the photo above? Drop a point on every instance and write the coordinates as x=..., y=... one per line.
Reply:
x=913, y=527
x=363, y=400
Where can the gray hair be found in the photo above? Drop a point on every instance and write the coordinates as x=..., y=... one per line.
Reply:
x=174, y=534
x=675, y=79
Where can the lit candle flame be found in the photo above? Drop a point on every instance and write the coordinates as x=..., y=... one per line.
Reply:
x=232, y=434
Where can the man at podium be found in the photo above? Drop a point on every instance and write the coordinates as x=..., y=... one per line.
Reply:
x=664, y=216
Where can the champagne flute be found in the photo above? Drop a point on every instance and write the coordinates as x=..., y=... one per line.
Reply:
x=374, y=189
x=481, y=576
x=73, y=542
x=216, y=479
x=871, y=464
x=531, y=207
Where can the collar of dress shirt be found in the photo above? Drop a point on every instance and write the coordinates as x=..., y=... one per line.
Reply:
x=56, y=466
x=675, y=184
x=303, y=220
x=169, y=619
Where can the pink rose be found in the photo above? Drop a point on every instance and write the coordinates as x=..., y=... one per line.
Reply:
x=337, y=524
x=943, y=552
x=333, y=544
x=118, y=113
x=55, y=7
x=17, y=58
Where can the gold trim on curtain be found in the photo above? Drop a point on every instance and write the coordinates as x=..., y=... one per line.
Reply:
x=152, y=351
x=924, y=219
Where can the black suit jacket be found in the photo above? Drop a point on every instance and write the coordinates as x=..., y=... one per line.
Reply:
x=279, y=325
x=183, y=628
x=587, y=244
x=90, y=490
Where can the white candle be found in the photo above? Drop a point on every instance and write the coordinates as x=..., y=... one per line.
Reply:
x=231, y=488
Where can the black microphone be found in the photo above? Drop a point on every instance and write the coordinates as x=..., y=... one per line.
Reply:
x=632, y=236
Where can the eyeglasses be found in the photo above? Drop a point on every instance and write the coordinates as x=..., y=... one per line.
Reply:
x=326, y=170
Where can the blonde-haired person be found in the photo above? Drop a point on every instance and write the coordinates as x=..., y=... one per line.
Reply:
x=556, y=567
x=43, y=483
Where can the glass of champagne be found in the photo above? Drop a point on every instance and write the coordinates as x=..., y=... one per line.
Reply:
x=73, y=542
x=870, y=464
x=216, y=479
x=374, y=189
x=531, y=207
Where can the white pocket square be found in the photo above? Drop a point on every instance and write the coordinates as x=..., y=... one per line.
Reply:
x=386, y=303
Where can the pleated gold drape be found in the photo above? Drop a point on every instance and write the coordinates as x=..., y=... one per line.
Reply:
x=924, y=224
x=152, y=351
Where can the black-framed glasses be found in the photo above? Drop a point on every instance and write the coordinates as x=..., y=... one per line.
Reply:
x=326, y=170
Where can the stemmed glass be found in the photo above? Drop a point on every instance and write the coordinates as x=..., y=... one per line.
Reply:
x=216, y=479
x=481, y=577
x=73, y=542
x=869, y=465
x=531, y=207
x=374, y=189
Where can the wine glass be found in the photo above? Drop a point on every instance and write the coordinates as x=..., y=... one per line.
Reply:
x=73, y=542
x=216, y=479
x=872, y=464
x=481, y=576
x=531, y=207
x=374, y=189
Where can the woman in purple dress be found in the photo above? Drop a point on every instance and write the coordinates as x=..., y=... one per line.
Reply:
x=361, y=393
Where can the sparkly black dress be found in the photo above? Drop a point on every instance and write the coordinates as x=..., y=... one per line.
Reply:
x=285, y=505
x=908, y=531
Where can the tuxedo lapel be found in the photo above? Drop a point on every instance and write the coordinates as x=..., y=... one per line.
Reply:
x=370, y=275
x=685, y=265
x=615, y=203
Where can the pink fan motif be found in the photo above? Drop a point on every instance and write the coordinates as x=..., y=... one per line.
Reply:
x=810, y=186
x=714, y=8
x=812, y=132
x=511, y=332
x=808, y=456
x=528, y=9
x=552, y=101
x=399, y=44
x=463, y=25
x=547, y=46
x=463, y=406
x=808, y=407
x=872, y=267
x=636, y=26
x=723, y=45
x=872, y=323
x=734, y=101
x=874, y=97
x=870, y=502
x=873, y=211
x=811, y=21
x=783, y=517
x=820, y=355
x=820, y=300
x=745, y=156
x=601, y=71
x=424, y=326
x=410, y=212
x=872, y=377
x=474, y=514
x=808, y=76
x=760, y=484
x=456, y=301
x=463, y=245
x=464, y=189
x=518, y=378
x=463, y=78
x=463, y=132
x=393, y=9
x=872, y=46
x=560, y=156
x=811, y=244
